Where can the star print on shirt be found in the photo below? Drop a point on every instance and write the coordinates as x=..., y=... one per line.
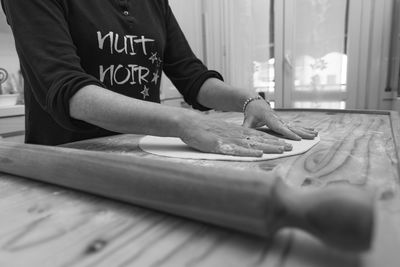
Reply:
x=156, y=76
x=153, y=58
x=158, y=63
x=145, y=92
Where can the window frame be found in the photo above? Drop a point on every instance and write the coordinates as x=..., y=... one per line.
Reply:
x=369, y=50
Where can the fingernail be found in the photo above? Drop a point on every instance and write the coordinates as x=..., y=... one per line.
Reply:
x=259, y=153
x=288, y=147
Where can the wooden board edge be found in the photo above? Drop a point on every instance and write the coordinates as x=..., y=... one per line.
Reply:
x=359, y=111
x=395, y=125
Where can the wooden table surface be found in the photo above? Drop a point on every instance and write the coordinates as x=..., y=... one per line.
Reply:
x=46, y=225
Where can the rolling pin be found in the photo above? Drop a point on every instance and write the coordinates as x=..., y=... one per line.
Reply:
x=255, y=202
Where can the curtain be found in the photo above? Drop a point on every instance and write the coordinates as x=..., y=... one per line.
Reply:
x=317, y=48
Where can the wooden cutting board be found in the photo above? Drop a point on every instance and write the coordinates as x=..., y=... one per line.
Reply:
x=51, y=226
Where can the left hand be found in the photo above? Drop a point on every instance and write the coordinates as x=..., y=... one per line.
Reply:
x=258, y=113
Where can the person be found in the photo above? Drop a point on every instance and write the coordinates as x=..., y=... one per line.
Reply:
x=92, y=68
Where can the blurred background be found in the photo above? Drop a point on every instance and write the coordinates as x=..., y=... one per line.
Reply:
x=339, y=54
x=329, y=54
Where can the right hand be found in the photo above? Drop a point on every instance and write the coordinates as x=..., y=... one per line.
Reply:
x=216, y=136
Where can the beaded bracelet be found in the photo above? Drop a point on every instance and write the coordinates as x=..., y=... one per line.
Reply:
x=251, y=99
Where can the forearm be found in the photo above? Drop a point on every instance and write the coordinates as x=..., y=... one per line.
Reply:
x=122, y=114
x=218, y=95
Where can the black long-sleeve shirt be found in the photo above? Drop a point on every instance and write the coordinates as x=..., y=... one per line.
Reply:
x=121, y=45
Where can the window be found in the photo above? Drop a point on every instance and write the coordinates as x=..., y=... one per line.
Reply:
x=304, y=53
x=240, y=43
x=316, y=52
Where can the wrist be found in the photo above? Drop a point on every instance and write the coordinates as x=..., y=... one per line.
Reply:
x=183, y=121
x=255, y=101
x=249, y=100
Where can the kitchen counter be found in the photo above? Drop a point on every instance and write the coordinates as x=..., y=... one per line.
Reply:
x=11, y=111
x=12, y=123
x=46, y=225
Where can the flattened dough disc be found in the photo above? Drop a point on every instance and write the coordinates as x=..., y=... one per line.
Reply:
x=175, y=148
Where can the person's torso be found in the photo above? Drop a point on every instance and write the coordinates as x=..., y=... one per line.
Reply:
x=120, y=42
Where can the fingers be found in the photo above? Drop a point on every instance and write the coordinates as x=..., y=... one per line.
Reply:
x=277, y=125
x=268, y=141
x=291, y=132
x=310, y=129
x=274, y=122
x=266, y=148
x=241, y=141
x=304, y=132
x=259, y=134
x=229, y=139
x=277, y=148
x=286, y=132
x=236, y=150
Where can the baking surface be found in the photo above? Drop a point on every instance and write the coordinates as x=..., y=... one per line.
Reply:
x=45, y=225
x=175, y=148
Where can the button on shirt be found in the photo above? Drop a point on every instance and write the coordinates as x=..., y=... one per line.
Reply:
x=121, y=45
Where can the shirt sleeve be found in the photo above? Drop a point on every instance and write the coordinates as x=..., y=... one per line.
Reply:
x=48, y=57
x=183, y=68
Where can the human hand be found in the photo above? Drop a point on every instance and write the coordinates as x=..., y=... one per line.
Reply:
x=258, y=113
x=216, y=136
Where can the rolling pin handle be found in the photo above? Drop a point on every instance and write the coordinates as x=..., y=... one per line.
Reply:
x=342, y=217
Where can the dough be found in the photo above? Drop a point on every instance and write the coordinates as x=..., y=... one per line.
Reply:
x=175, y=148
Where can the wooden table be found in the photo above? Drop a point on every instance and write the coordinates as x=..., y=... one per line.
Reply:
x=46, y=225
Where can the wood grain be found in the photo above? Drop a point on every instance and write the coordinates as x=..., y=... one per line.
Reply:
x=43, y=225
x=250, y=201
